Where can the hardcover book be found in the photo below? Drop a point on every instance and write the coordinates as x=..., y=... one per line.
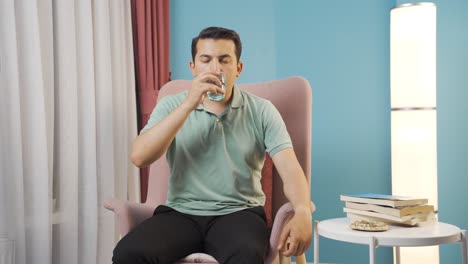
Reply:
x=397, y=211
x=384, y=199
x=417, y=221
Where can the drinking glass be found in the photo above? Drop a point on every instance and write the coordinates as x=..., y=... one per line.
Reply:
x=218, y=97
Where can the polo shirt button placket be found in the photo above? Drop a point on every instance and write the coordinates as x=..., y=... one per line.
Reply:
x=218, y=127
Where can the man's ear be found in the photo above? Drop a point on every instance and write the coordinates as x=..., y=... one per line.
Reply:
x=240, y=66
x=192, y=67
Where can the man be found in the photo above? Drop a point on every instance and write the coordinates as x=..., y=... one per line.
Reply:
x=216, y=151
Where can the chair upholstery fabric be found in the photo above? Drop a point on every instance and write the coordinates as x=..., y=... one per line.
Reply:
x=293, y=99
x=267, y=187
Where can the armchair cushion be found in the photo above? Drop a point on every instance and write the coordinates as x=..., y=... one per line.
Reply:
x=130, y=214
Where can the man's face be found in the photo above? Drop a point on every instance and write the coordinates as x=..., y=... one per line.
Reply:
x=214, y=56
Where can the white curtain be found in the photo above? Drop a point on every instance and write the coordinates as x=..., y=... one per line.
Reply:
x=68, y=116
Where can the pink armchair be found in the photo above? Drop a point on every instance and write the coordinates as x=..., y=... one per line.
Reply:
x=293, y=99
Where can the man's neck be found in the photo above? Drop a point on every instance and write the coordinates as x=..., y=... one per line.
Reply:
x=214, y=107
x=218, y=107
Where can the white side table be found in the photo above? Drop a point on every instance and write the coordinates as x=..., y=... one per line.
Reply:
x=396, y=236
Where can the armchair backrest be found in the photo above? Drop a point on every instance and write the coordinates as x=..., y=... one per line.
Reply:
x=293, y=99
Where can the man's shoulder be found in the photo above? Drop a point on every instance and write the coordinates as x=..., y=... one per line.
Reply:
x=255, y=99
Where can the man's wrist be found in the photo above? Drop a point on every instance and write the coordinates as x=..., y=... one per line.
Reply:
x=186, y=107
x=302, y=209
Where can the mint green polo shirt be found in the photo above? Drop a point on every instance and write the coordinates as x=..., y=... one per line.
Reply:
x=216, y=161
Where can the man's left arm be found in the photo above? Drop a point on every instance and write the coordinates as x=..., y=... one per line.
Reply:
x=298, y=231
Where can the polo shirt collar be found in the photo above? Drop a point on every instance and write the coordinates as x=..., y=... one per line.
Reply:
x=200, y=107
x=237, y=99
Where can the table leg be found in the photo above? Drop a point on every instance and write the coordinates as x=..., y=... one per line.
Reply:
x=464, y=247
x=372, y=246
x=397, y=255
x=316, y=243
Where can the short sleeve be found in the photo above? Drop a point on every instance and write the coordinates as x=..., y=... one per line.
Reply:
x=160, y=111
x=276, y=134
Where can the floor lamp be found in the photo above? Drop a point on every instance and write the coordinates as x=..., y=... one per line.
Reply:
x=413, y=115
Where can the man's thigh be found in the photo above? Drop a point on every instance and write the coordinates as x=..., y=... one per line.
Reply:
x=240, y=237
x=164, y=238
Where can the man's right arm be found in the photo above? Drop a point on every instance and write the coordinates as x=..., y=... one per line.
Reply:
x=152, y=144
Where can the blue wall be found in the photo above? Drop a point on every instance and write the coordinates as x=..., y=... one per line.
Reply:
x=342, y=48
x=254, y=24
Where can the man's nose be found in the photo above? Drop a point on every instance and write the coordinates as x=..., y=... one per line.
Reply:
x=215, y=67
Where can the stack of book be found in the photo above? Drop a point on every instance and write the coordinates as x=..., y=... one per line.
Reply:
x=390, y=209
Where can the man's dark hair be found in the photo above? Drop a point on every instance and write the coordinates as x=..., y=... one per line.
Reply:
x=218, y=33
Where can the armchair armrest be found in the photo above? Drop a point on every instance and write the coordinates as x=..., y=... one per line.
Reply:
x=284, y=214
x=129, y=214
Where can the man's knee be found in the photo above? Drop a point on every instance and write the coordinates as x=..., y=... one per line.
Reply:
x=248, y=253
x=125, y=253
x=131, y=253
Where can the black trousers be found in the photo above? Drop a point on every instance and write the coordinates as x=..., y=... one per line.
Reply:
x=240, y=237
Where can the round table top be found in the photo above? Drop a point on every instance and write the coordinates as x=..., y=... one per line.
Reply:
x=432, y=234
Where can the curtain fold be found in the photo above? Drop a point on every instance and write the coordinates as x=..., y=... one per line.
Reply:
x=28, y=180
x=125, y=114
x=87, y=155
x=68, y=119
x=150, y=20
x=65, y=178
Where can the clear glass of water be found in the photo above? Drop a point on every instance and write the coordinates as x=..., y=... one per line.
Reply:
x=218, y=97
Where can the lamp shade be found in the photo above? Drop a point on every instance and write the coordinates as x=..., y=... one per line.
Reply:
x=413, y=55
x=414, y=154
x=414, y=116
